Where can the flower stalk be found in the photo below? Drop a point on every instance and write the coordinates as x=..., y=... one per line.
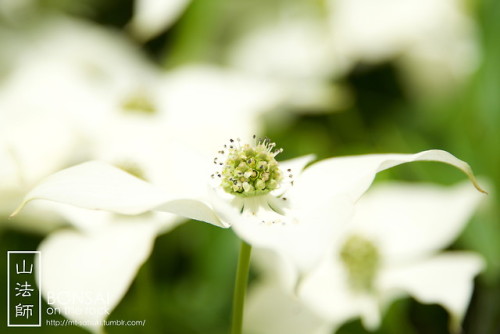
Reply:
x=240, y=287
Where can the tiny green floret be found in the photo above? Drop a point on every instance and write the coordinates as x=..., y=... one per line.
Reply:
x=361, y=260
x=138, y=102
x=250, y=170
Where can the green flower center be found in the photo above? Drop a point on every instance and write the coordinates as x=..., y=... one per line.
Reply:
x=138, y=102
x=361, y=260
x=250, y=170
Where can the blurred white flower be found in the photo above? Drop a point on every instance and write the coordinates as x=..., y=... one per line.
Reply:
x=151, y=17
x=54, y=98
x=391, y=249
x=432, y=41
x=295, y=52
x=79, y=80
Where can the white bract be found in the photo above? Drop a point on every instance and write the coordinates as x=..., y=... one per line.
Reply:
x=390, y=249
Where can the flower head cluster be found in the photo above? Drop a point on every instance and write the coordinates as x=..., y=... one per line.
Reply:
x=361, y=259
x=250, y=170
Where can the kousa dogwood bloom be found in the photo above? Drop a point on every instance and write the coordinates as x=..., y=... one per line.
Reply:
x=249, y=192
x=142, y=141
x=390, y=249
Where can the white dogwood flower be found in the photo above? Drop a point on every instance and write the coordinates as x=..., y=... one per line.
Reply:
x=251, y=194
x=391, y=249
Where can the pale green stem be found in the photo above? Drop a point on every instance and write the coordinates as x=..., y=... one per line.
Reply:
x=240, y=287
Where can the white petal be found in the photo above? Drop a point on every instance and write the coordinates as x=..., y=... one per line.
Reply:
x=288, y=49
x=301, y=234
x=151, y=17
x=99, y=186
x=272, y=267
x=353, y=175
x=412, y=220
x=37, y=146
x=270, y=309
x=192, y=209
x=446, y=279
x=234, y=102
x=86, y=275
x=327, y=292
x=296, y=166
